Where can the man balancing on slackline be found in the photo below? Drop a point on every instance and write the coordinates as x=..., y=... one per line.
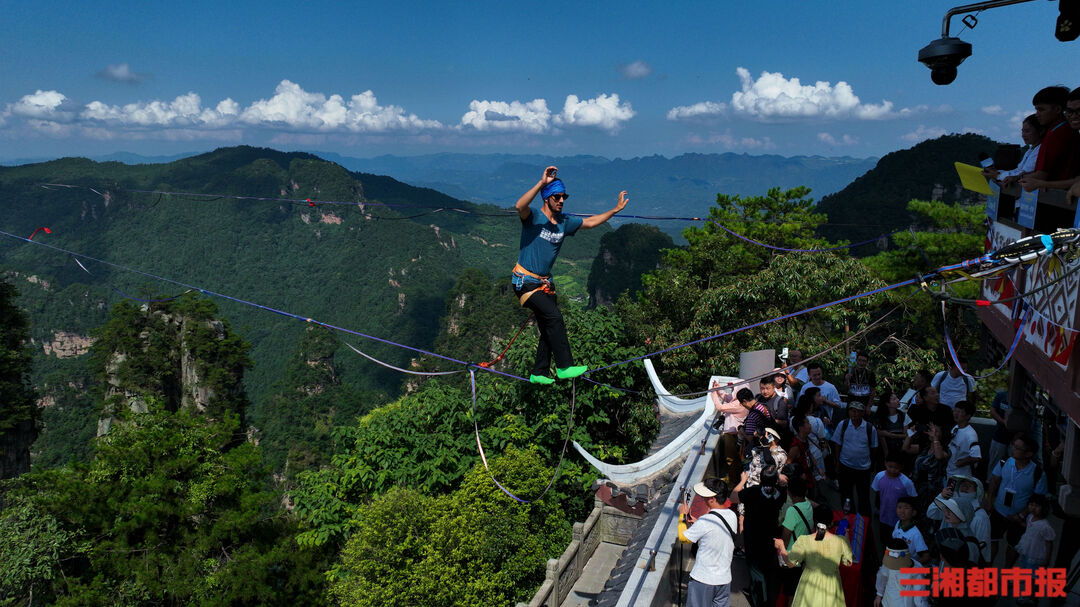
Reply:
x=542, y=234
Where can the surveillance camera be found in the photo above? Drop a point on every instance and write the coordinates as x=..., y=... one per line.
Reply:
x=942, y=56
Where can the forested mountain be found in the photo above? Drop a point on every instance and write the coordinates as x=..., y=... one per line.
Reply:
x=876, y=203
x=381, y=271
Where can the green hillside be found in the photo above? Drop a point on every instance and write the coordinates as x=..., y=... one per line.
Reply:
x=876, y=203
x=379, y=271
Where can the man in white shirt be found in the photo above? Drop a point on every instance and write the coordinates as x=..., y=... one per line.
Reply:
x=855, y=440
x=964, y=450
x=953, y=385
x=828, y=391
x=714, y=533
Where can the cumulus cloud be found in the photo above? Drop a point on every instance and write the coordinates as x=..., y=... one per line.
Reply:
x=923, y=133
x=828, y=139
x=121, y=73
x=635, y=71
x=184, y=111
x=704, y=109
x=603, y=112
x=291, y=106
x=528, y=117
x=994, y=110
x=42, y=105
x=772, y=96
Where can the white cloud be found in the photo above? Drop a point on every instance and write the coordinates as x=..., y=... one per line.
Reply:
x=604, y=112
x=291, y=106
x=828, y=139
x=121, y=73
x=772, y=96
x=635, y=71
x=994, y=110
x=42, y=105
x=704, y=109
x=529, y=117
x=923, y=133
x=184, y=111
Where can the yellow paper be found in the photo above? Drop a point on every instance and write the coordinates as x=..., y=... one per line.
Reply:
x=972, y=179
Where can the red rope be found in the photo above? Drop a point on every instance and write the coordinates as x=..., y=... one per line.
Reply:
x=503, y=353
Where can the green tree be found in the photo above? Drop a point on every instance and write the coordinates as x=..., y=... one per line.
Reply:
x=472, y=547
x=18, y=414
x=780, y=218
x=167, y=512
x=946, y=234
x=176, y=351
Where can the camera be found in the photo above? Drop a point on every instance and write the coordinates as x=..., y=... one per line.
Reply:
x=942, y=56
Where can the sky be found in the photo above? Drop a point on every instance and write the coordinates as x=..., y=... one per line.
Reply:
x=615, y=79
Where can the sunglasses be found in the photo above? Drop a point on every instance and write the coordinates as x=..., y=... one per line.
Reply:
x=559, y=197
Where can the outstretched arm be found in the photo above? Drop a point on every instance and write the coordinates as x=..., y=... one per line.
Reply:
x=526, y=199
x=595, y=220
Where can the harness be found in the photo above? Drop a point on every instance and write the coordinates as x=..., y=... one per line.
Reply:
x=545, y=283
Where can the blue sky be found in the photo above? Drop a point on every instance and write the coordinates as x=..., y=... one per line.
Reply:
x=615, y=79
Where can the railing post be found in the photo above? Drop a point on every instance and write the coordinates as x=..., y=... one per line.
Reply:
x=579, y=558
x=553, y=576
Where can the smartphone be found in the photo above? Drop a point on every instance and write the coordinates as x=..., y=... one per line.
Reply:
x=784, y=353
x=1009, y=498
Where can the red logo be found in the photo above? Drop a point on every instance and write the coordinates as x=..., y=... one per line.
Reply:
x=955, y=582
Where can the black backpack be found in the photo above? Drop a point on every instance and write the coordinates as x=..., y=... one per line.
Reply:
x=953, y=535
x=843, y=428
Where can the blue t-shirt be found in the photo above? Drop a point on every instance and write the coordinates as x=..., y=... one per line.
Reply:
x=542, y=239
x=1021, y=483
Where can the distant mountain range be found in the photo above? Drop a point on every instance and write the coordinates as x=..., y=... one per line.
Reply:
x=683, y=186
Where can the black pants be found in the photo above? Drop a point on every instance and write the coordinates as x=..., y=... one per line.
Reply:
x=855, y=484
x=552, y=333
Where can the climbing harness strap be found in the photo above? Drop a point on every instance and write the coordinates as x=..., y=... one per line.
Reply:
x=545, y=283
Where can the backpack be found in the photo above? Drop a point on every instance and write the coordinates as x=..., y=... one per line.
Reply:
x=936, y=383
x=954, y=535
x=843, y=428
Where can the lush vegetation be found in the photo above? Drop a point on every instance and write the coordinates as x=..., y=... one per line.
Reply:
x=168, y=511
x=16, y=396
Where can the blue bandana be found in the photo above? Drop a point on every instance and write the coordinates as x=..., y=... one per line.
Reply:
x=555, y=187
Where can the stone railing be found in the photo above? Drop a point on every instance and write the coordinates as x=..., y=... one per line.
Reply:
x=563, y=572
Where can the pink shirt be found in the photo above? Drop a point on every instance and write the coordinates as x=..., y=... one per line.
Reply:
x=734, y=412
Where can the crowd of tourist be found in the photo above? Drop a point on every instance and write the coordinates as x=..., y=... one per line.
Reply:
x=800, y=455
x=1052, y=157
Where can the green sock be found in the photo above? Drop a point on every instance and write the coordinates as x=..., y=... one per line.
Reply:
x=570, y=372
x=542, y=380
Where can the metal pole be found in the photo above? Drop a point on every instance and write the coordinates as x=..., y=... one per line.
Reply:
x=967, y=8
